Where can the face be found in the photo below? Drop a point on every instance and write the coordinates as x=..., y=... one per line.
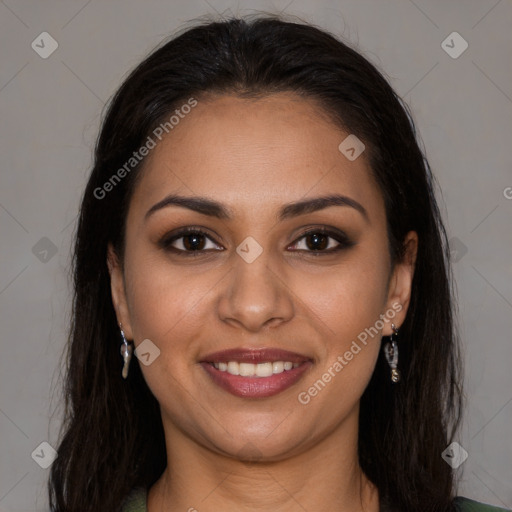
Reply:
x=259, y=275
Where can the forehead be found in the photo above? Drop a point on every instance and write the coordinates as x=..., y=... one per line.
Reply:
x=254, y=152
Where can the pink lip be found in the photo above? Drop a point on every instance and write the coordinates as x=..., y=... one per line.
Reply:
x=255, y=387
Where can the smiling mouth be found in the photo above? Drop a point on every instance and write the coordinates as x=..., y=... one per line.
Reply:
x=255, y=370
x=255, y=373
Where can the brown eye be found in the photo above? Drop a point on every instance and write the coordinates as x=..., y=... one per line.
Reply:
x=189, y=240
x=322, y=240
x=317, y=241
x=193, y=241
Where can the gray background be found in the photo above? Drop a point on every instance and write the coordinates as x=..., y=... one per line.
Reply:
x=50, y=111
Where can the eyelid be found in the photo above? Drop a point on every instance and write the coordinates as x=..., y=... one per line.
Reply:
x=343, y=240
x=166, y=241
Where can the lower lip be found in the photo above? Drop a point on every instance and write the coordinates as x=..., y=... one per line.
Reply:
x=256, y=387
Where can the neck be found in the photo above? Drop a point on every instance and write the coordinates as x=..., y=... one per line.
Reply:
x=324, y=477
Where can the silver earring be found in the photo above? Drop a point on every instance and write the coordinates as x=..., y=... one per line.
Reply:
x=391, y=353
x=126, y=352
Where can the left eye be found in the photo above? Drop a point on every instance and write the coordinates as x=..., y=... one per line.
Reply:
x=317, y=241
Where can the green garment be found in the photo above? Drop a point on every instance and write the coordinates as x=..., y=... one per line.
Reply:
x=136, y=502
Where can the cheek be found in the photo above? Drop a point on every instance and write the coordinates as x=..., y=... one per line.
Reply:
x=164, y=303
x=347, y=304
x=167, y=307
x=347, y=312
x=349, y=297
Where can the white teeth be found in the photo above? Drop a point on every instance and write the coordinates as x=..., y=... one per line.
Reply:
x=278, y=367
x=233, y=368
x=255, y=370
x=263, y=370
x=246, y=369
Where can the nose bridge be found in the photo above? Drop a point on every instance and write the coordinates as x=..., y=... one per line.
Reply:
x=256, y=293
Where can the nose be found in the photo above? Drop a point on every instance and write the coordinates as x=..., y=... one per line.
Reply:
x=256, y=296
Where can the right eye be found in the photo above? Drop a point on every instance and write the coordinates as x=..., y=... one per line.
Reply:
x=189, y=241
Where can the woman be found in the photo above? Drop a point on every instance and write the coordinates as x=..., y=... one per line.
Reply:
x=261, y=226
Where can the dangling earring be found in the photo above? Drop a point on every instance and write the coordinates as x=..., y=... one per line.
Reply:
x=126, y=352
x=391, y=353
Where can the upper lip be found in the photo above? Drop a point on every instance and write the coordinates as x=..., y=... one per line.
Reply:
x=250, y=355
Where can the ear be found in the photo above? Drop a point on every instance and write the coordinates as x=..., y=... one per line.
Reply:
x=400, y=284
x=117, y=288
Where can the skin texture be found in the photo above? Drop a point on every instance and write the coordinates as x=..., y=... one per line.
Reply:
x=255, y=156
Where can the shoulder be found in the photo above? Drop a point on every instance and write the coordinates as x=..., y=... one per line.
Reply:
x=466, y=505
x=136, y=501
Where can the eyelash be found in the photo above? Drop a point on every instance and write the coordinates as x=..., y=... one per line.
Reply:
x=339, y=236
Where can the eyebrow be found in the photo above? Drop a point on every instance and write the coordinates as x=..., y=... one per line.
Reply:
x=206, y=206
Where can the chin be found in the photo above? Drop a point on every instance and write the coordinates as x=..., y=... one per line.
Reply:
x=259, y=447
